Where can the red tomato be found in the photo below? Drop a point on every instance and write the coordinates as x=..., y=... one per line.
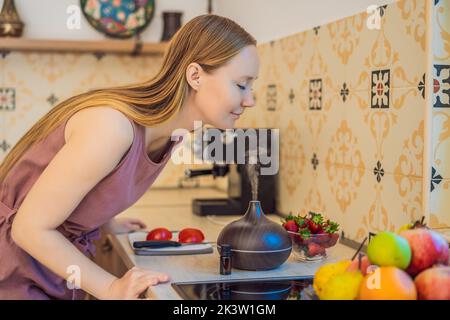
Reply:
x=159, y=234
x=190, y=235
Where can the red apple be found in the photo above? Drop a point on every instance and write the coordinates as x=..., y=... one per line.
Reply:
x=434, y=283
x=427, y=247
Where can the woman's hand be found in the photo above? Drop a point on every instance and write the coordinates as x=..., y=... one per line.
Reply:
x=125, y=225
x=135, y=282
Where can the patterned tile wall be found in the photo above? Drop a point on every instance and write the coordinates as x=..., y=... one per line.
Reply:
x=351, y=105
x=32, y=83
x=440, y=157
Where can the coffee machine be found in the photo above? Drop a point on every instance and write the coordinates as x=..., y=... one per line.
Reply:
x=239, y=192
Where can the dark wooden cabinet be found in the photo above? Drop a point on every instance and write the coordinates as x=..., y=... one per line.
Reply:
x=108, y=258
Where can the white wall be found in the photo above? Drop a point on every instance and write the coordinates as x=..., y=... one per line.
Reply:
x=268, y=20
x=265, y=19
x=46, y=19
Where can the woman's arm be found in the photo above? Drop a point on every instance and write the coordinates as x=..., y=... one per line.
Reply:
x=123, y=225
x=95, y=143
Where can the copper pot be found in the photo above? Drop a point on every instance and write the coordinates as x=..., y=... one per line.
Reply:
x=10, y=23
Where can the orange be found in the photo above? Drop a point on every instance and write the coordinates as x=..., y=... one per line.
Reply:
x=387, y=283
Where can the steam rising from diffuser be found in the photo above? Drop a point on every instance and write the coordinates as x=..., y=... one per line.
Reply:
x=258, y=243
x=252, y=166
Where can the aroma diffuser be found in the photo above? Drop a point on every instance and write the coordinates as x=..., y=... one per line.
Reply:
x=257, y=243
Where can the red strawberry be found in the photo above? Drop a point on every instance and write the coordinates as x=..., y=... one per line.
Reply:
x=290, y=226
x=315, y=249
x=331, y=228
x=322, y=237
x=304, y=236
x=315, y=222
x=333, y=239
x=301, y=221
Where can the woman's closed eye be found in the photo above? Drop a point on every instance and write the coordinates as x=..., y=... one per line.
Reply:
x=241, y=87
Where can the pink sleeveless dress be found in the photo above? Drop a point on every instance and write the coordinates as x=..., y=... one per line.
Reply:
x=22, y=276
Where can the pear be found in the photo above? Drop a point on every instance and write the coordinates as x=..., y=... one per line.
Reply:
x=344, y=286
x=326, y=272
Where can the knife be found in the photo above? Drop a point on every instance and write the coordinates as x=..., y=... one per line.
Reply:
x=163, y=244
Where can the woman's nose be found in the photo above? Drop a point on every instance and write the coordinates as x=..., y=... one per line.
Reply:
x=249, y=100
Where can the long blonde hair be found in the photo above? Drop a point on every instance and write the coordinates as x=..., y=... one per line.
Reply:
x=209, y=40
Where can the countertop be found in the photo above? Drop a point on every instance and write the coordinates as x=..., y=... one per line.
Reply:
x=171, y=208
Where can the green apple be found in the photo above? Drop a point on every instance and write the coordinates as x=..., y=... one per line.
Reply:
x=389, y=249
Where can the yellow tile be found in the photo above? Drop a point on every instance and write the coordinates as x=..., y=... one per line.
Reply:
x=346, y=191
x=402, y=132
x=440, y=156
x=402, y=31
x=363, y=128
x=441, y=32
x=384, y=205
x=365, y=56
x=293, y=162
x=381, y=206
x=316, y=125
x=318, y=62
x=135, y=69
x=363, y=212
x=313, y=197
x=326, y=61
x=401, y=201
x=440, y=205
x=31, y=92
x=345, y=43
x=270, y=90
x=406, y=29
x=53, y=68
x=292, y=196
x=293, y=54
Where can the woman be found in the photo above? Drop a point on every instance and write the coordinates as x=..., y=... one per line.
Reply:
x=95, y=154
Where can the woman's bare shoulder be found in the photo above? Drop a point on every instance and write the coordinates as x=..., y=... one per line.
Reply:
x=97, y=139
x=98, y=122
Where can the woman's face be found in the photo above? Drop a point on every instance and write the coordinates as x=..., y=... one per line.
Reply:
x=222, y=96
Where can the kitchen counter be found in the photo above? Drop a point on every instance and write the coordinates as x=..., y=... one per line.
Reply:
x=171, y=208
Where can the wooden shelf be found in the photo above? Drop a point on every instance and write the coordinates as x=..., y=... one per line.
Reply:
x=75, y=46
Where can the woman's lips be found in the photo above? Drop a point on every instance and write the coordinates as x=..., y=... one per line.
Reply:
x=237, y=115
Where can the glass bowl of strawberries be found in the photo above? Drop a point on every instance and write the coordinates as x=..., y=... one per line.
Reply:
x=312, y=236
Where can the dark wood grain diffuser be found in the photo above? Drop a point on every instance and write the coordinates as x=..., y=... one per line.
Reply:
x=257, y=243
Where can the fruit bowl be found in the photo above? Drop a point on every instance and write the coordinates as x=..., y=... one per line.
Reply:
x=315, y=247
x=312, y=235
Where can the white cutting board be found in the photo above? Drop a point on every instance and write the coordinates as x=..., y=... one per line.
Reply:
x=168, y=251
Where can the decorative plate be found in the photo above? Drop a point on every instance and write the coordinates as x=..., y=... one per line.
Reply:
x=119, y=18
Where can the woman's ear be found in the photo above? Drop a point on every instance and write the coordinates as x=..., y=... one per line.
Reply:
x=193, y=75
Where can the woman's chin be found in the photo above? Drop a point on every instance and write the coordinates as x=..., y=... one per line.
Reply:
x=228, y=126
x=225, y=124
